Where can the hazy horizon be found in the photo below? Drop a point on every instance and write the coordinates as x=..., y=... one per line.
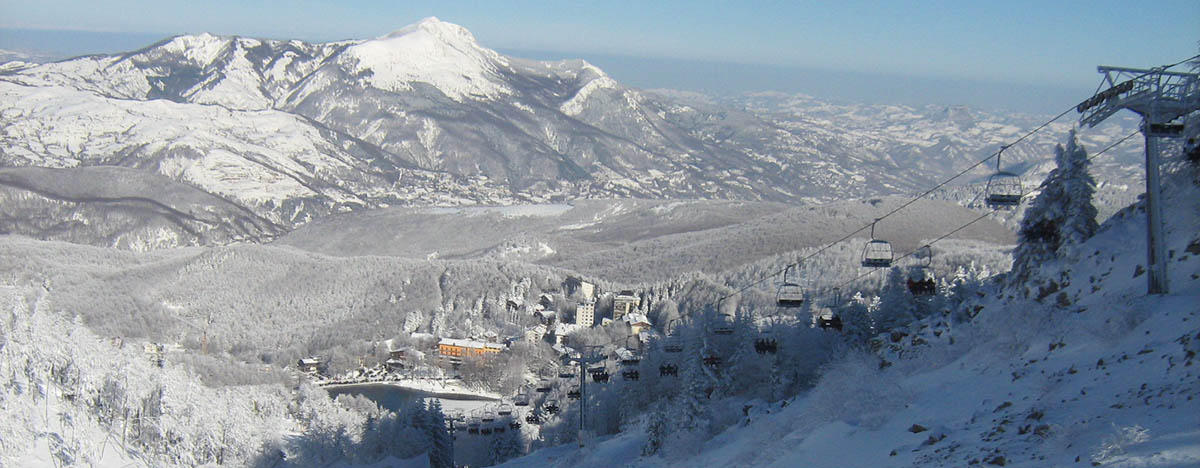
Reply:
x=672, y=73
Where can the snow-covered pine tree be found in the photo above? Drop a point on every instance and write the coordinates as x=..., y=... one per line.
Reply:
x=689, y=411
x=746, y=367
x=441, y=450
x=1061, y=216
x=857, y=323
x=505, y=445
x=896, y=306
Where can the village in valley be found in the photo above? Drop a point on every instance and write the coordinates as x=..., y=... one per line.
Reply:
x=425, y=357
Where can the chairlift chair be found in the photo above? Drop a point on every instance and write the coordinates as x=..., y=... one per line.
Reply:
x=551, y=406
x=835, y=299
x=1004, y=189
x=574, y=393
x=920, y=277
x=485, y=430
x=630, y=374
x=922, y=287
x=488, y=415
x=532, y=418
x=514, y=424
x=790, y=294
x=712, y=360
x=543, y=386
x=668, y=370
x=501, y=428
x=833, y=321
x=672, y=343
x=877, y=253
x=522, y=399
x=766, y=343
x=504, y=409
x=566, y=373
x=632, y=358
x=599, y=374
x=724, y=325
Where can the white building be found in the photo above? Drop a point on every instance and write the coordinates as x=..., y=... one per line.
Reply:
x=624, y=304
x=585, y=314
x=637, y=323
x=535, y=334
x=588, y=290
x=561, y=330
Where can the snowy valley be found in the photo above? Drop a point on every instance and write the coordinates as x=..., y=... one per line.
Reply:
x=494, y=261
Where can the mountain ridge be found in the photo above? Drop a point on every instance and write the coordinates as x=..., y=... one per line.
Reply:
x=295, y=131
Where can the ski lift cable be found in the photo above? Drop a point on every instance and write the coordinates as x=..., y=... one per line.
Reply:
x=897, y=209
x=909, y=254
x=1098, y=153
x=918, y=249
x=1131, y=135
x=931, y=190
x=894, y=210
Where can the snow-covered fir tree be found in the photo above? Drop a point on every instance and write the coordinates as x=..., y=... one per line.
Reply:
x=505, y=445
x=1061, y=216
x=441, y=450
x=857, y=322
x=896, y=307
x=690, y=416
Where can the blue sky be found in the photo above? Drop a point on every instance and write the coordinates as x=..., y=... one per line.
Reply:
x=939, y=50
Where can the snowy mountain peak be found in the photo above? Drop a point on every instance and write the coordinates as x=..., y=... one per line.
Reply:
x=433, y=25
x=201, y=49
x=436, y=53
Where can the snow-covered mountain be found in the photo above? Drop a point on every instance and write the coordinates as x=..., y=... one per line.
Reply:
x=121, y=207
x=292, y=131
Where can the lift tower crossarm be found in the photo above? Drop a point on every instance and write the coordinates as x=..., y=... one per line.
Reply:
x=1159, y=96
x=1155, y=93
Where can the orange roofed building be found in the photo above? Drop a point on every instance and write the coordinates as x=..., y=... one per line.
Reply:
x=455, y=348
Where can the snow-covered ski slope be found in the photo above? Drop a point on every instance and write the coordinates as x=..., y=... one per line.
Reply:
x=1095, y=374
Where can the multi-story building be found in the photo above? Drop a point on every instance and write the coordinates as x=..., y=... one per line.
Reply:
x=585, y=314
x=454, y=350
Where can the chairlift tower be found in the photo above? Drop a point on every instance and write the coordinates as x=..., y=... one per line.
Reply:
x=1160, y=97
x=589, y=355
